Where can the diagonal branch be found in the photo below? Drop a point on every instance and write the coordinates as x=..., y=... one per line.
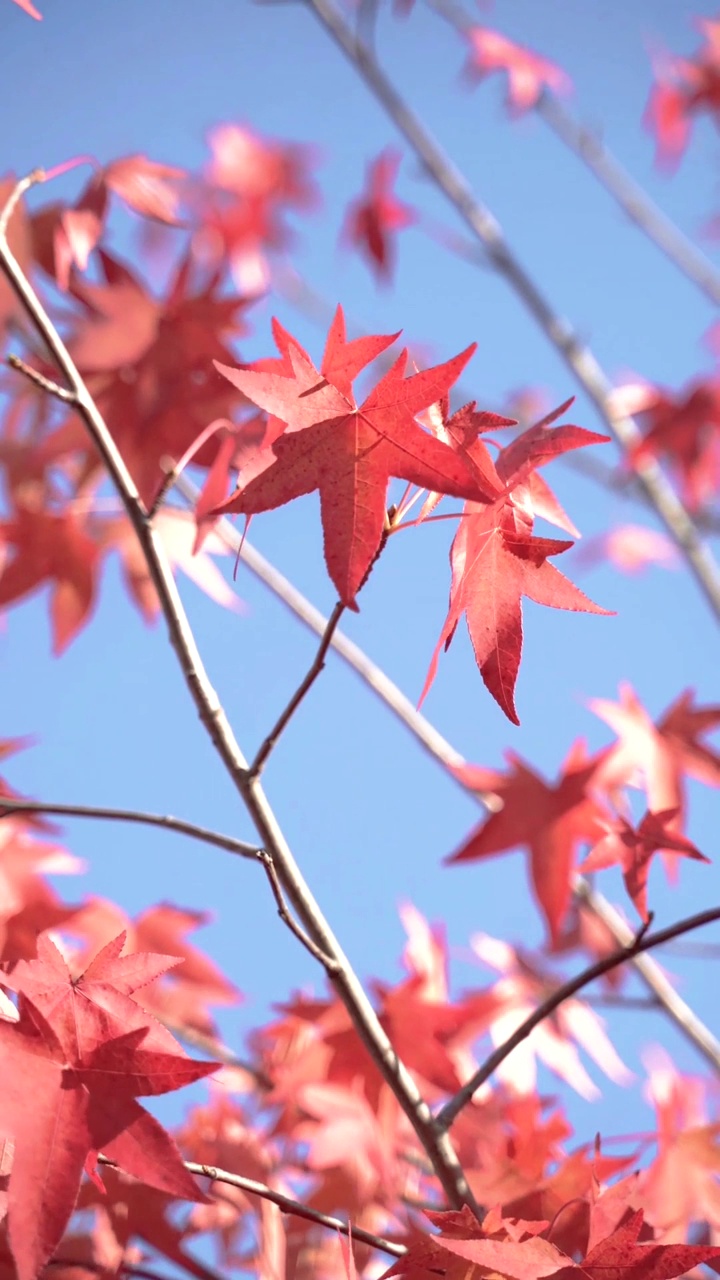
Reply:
x=303, y=688
x=286, y=1204
x=212, y=715
x=652, y=975
x=294, y=1207
x=577, y=356
x=687, y=1021
x=642, y=942
x=632, y=198
x=163, y=820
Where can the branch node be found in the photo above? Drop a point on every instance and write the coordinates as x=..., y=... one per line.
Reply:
x=39, y=380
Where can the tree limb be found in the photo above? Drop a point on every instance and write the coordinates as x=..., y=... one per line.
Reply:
x=212, y=715
x=632, y=198
x=9, y=806
x=286, y=1204
x=577, y=356
x=446, y=755
x=642, y=942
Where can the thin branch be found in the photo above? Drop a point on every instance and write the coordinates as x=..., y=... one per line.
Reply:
x=632, y=198
x=577, y=356
x=638, y=944
x=685, y=1018
x=39, y=380
x=317, y=666
x=329, y=962
x=294, y=1207
x=214, y=1048
x=446, y=755
x=624, y=484
x=16, y=195
x=286, y=1204
x=623, y=1002
x=164, y=820
x=372, y=676
x=212, y=715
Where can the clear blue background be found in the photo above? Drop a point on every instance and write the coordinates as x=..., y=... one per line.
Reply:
x=368, y=814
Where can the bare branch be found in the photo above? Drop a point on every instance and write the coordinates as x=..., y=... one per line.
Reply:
x=373, y=676
x=632, y=198
x=638, y=944
x=577, y=356
x=39, y=380
x=212, y=715
x=294, y=1207
x=685, y=1018
x=16, y=195
x=445, y=754
x=319, y=662
x=214, y=1048
x=164, y=820
x=286, y=1204
x=328, y=962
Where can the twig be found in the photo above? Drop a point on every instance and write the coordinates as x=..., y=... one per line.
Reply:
x=286, y=1204
x=639, y=943
x=298, y=1210
x=214, y=1048
x=164, y=820
x=624, y=484
x=576, y=355
x=631, y=197
x=685, y=1018
x=616, y=180
x=373, y=676
x=39, y=380
x=445, y=754
x=16, y=195
x=329, y=962
x=319, y=662
x=212, y=715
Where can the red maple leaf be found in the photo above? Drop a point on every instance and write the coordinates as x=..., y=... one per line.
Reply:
x=147, y=362
x=684, y=88
x=56, y=549
x=633, y=848
x=550, y=821
x=373, y=218
x=528, y=73
x=348, y=451
x=518, y=1249
x=657, y=756
x=683, y=427
x=249, y=183
x=73, y=1064
x=680, y=1187
x=621, y=1256
x=147, y=187
x=495, y=561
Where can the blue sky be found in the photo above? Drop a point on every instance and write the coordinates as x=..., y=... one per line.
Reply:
x=368, y=815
